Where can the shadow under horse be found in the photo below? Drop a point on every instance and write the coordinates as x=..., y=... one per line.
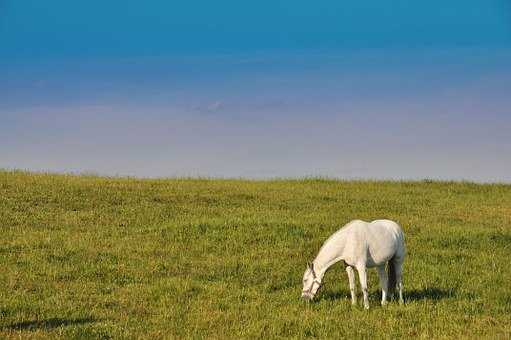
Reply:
x=429, y=293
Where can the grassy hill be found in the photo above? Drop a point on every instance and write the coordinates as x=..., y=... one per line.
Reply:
x=85, y=256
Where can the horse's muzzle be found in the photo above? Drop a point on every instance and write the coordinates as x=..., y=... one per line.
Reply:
x=307, y=297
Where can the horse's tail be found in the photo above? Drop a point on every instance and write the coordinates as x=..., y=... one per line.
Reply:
x=391, y=272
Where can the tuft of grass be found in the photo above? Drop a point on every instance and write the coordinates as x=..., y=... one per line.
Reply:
x=97, y=257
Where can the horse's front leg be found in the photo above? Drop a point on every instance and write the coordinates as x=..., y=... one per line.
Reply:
x=351, y=278
x=383, y=284
x=362, y=275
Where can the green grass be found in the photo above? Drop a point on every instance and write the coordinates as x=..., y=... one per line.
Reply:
x=92, y=257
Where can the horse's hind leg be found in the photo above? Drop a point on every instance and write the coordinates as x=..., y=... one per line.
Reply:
x=351, y=278
x=399, y=280
x=383, y=284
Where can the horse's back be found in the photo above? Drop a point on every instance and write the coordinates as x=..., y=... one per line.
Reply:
x=388, y=227
x=385, y=240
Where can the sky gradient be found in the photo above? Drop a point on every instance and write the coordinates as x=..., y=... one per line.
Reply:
x=281, y=88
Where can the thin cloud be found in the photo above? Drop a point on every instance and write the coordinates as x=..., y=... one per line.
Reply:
x=215, y=106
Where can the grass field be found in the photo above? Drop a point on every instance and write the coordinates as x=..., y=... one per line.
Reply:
x=92, y=257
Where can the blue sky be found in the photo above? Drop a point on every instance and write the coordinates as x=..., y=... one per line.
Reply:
x=351, y=89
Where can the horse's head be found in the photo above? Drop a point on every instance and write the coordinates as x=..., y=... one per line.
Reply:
x=311, y=282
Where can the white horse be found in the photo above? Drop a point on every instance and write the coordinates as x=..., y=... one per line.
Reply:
x=361, y=245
